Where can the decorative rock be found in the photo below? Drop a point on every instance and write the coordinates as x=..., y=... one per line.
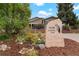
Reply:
x=9, y=47
x=4, y=47
x=20, y=43
x=41, y=46
x=23, y=50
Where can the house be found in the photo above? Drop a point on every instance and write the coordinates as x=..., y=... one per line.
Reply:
x=39, y=23
x=50, y=18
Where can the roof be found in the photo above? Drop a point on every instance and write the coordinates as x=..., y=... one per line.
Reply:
x=51, y=17
x=46, y=20
x=36, y=18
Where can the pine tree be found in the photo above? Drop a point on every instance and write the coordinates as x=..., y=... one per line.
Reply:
x=14, y=17
x=66, y=14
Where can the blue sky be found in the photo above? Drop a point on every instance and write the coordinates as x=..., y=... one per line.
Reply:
x=45, y=10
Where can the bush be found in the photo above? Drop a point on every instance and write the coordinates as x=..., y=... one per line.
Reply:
x=66, y=27
x=32, y=37
x=29, y=51
x=28, y=37
x=32, y=52
x=40, y=41
x=21, y=38
x=75, y=26
x=4, y=37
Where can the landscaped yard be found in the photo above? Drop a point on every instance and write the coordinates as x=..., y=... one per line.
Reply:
x=71, y=48
x=17, y=38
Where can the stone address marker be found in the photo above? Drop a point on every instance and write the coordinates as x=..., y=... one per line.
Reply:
x=54, y=36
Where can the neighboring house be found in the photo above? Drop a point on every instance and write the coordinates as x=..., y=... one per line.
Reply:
x=39, y=23
x=50, y=18
x=37, y=20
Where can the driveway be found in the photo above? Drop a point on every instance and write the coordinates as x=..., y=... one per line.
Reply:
x=73, y=36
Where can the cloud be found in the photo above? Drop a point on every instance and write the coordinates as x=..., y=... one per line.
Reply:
x=44, y=14
x=77, y=14
x=39, y=4
x=76, y=7
x=50, y=9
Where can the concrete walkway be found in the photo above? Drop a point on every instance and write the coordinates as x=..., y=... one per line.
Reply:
x=73, y=36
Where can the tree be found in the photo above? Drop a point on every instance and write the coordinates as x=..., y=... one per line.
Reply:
x=78, y=24
x=66, y=14
x=14, y=17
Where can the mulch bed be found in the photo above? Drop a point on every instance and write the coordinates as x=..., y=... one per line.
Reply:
x=15, y=48
x=71, y=49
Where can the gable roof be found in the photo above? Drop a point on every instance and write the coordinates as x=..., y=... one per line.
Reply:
x=36, y=18
x=45, y=20
x=52, y=17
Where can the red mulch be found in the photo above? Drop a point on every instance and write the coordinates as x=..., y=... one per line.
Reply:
x=71, y=49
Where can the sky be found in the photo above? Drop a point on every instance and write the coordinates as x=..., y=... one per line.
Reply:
x=45, y=10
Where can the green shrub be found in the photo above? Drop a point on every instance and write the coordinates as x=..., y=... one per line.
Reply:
x=35, y=38
x=32, y=52
x=66, y=27
x=21, y=38
x=74, y=27
x=29, y=37
x=39, y=35
x=4, y=37
x=40, y=41
x=32, y=37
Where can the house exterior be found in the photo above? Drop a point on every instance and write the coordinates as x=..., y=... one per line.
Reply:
x=37, y=20
x=50, y=18
x=39, y=23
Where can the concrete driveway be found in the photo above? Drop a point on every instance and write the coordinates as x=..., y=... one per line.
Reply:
x=73, y=36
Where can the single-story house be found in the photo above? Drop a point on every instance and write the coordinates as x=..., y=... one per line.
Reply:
x=39, y=23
